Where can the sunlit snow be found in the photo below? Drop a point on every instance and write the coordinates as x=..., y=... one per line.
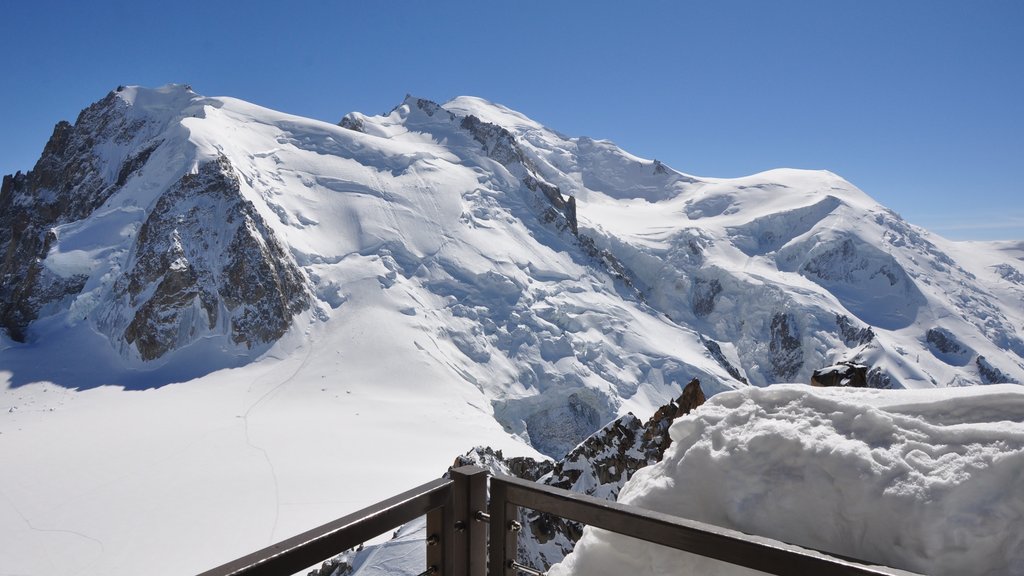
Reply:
x=927, y=481
x=446, y=313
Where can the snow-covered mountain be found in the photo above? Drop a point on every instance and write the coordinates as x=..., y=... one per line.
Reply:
x=458, y=273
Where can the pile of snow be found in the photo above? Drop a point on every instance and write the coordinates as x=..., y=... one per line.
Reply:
x=927, y=481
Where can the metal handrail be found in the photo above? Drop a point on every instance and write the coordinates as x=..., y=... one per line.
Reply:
x=457, y=532
x=311, y=547
x=759, y=553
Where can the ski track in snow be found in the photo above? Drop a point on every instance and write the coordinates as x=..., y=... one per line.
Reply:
x=33, y=528
x=266, y=455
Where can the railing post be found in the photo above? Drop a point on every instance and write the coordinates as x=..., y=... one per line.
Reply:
x=435, y=538
x=466, y=532
x=504, y=539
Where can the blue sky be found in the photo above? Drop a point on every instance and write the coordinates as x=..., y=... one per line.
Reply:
x=918, y=102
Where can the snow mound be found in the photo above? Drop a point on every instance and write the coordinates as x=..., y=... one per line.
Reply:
x=927, y=481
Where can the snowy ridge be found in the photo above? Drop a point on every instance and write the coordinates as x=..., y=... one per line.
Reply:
x=455, y=266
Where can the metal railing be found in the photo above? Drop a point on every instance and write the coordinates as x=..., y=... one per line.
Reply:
x=460, y=522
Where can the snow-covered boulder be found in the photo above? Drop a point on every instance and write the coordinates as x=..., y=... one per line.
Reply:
x=927, y=481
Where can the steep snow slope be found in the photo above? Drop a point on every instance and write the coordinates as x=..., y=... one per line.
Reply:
x=459, y=274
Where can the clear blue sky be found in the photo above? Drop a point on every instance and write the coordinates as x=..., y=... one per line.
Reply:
x=918, y=102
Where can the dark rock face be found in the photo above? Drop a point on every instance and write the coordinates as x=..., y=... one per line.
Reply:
x=352, y=123
x=852, y=335
x=499, y=143
x=786, y=353
x=842, y=375
x=204, y=251
x=990, y=374
x=944, y=341
x=704, y=294
x=715, y=349
x=67, y=184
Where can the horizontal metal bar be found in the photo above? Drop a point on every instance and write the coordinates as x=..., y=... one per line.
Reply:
x=723, y=544
x=311, y=547
x=525, y=569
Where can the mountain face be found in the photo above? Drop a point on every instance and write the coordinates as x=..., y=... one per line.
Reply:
x=566, y=279
x=199, y=260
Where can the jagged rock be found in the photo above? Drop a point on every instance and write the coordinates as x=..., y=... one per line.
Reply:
x=205, y=262
x=990, y=374
x=570, y=215
x=878, y=378
x=704, y=294
x=1009, y=273
x=715, y=349
x=786, y=352
x=67, y=183
x=599, y=466
x=352, y=123
x=852, y=335
x=496, y=463
x=944, y=341
x=843, y=374
x=499, y=143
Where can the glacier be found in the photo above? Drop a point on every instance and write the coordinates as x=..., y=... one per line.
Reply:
x=222, y=317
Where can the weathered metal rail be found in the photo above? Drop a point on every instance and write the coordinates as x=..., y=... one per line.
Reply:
x=466, y=536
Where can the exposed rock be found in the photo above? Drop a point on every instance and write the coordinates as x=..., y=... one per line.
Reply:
x=352, y=123
x=570, y=215
x=499, y=143
x=67, y=184
x=786, y=353
x=990, y=374
x=1009, y=273
x=843, y=375
x=704, y=294
x=944, y=341
x=496, y=463
x=878, y=378
x=852, y=335
x=205, y=262
x=599, y=466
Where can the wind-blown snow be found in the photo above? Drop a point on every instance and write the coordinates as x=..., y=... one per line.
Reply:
x=927, y=481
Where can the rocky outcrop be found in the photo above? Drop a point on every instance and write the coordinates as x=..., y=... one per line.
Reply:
x=704, y=294
x=851, y=334
x=205, y=262
x=68, y=183
x=842, y=375
x=990, y=374
x=785, y=351
x=715, y=349
x=599, y=466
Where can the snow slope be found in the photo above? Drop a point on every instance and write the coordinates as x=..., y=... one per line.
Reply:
x=924, y=480
x=237, y=321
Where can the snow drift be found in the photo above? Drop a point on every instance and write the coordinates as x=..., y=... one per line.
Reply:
x=927, y=481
